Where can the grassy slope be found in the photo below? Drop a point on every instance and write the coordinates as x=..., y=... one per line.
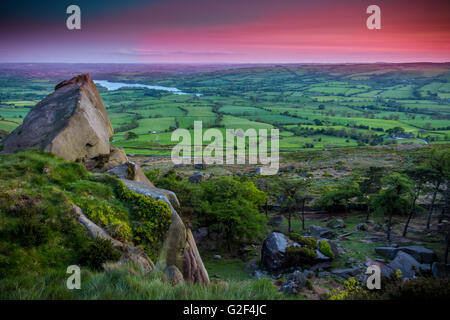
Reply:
x=39, y=188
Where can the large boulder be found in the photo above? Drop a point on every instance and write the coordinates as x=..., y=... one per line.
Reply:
x=273, y=251
x=421, y=254
x=407, y=265
x=71, y=123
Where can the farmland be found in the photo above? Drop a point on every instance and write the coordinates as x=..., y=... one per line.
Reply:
x=313, y=106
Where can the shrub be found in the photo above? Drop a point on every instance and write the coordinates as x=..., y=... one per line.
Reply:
x=152, y=218
x=310, y=242
x=325, y=248
x=351, y=291
x=299, y=255
x=98, y=252
x=114, y=220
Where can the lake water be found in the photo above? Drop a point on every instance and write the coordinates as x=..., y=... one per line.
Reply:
x=117, y=85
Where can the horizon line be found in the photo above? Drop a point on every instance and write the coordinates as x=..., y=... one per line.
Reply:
x=230, y=63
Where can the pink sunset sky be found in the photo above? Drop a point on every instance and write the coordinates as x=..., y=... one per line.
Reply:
x=209, y=31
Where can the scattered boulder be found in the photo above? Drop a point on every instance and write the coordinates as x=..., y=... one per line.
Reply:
x=336, y=224
x=440, y=270
x=258, y=274
x=173, y=275
x=321, y=266
x=347, y=273
x=129, y=171
x=407, y=265
x=217, y=256
x=273, y=251
x=321, y=232
x=198, y=177
x=421, y=254
x=71, y=123
x=296, y=281
x=200, y=166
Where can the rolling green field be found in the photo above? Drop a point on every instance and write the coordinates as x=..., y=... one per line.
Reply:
x=313, y=106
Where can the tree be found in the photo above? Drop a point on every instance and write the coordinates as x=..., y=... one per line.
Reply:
x=370, y=185
x=292, y=194
x=439, y=161
x=230, y=206
x=131, y=135
x=393, y=199
x=338, y=197
x=419, y=177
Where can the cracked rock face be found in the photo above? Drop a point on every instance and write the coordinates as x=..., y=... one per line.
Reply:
x=71, y=123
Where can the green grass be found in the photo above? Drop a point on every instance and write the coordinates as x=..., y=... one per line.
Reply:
x=127, y=283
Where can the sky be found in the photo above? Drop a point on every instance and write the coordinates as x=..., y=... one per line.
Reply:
x=226, y=31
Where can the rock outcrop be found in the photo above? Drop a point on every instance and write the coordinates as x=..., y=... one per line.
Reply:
x=71, y=123
x=179, y=248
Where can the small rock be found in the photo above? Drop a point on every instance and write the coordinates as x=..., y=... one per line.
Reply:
x=321, y=232
x=336, y=224
x=346, y=273
x=289, y=287
x=200, y=166
x=217, y=256
x=321, y=266
x=258, y=274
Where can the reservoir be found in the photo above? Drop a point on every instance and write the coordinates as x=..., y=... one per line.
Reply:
x=117, y=85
